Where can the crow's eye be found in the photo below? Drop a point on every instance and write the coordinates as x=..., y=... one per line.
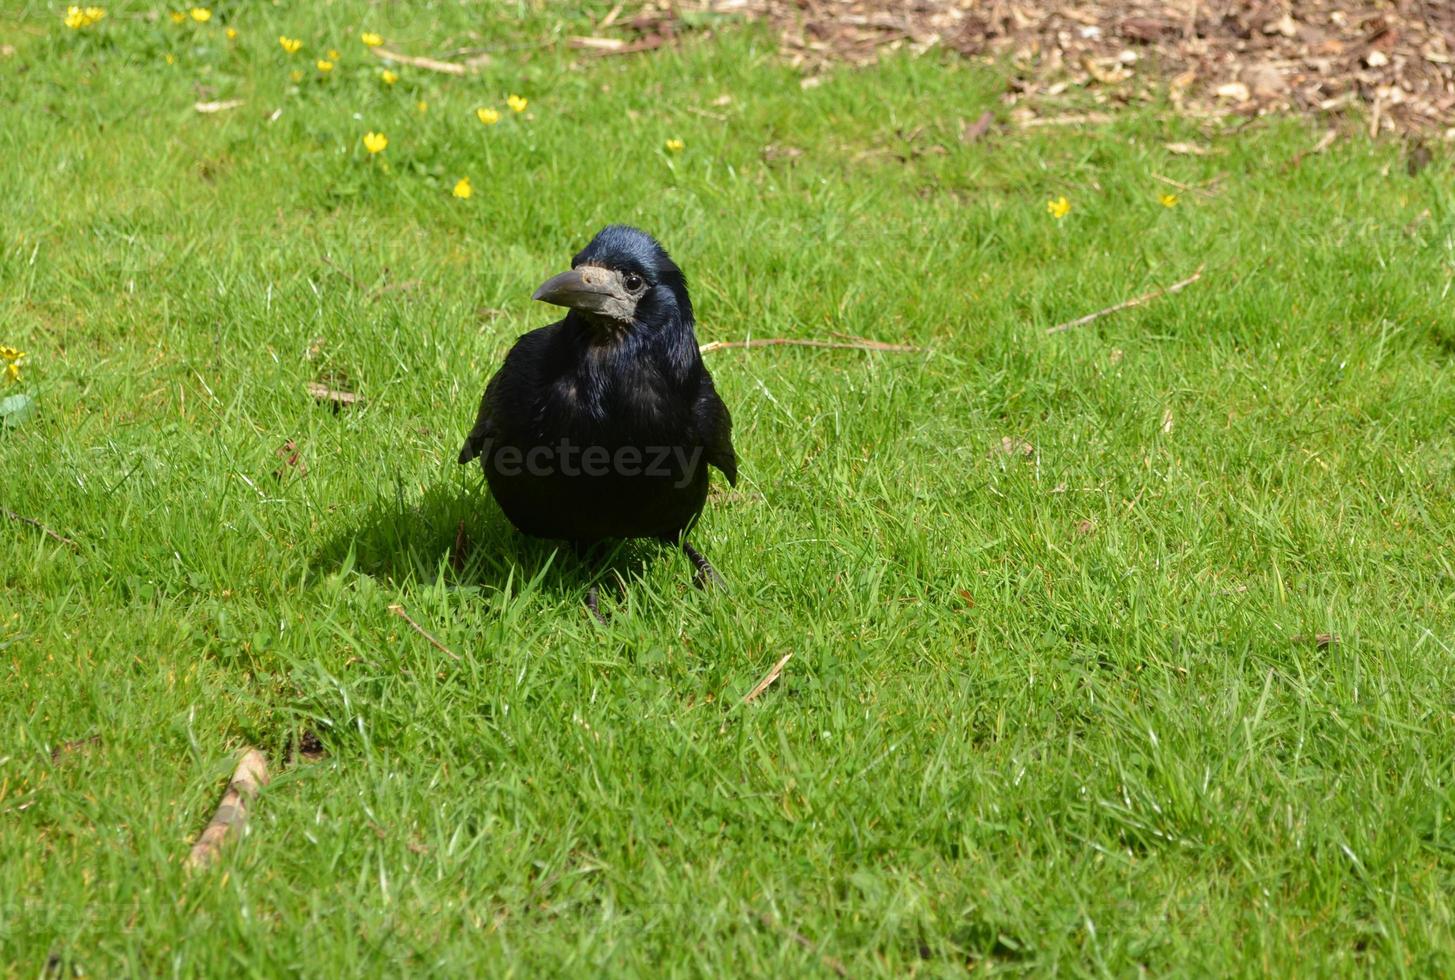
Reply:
x=632, y=281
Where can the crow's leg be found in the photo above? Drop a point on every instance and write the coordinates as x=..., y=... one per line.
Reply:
x=705, y=575
x=593, y=607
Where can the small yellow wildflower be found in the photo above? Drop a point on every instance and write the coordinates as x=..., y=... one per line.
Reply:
x=422, y=106
x=487, y=116
x=296, y=74
x=231, y=33
x=370, y=39
x=78, y=17
x=178, y=16
x=517, y=103
x=333, y=54
x=462, y=188
x=375, y=142
x=12, y=359
x=324, y=65
x=1168, y=200
x=200, y=14
x=171, y=59
x=1058, y=207
x=290, y=44
x=675, y=146
x=388, y=77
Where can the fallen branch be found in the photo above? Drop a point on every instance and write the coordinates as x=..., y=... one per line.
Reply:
x=232, y=813
x=768, y=678
x=398, y=610
x=861, y=344
x=432, y=64
x=37, y=524
x=1126, y=304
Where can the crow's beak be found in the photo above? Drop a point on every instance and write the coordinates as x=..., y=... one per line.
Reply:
x=590, y=289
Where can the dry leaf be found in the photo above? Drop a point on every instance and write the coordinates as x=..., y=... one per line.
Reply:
x=1167, y=421
x=1014, y=447
x=339, y=399
x=978, y=128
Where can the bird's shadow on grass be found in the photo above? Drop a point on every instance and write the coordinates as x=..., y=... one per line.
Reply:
x=460, y=534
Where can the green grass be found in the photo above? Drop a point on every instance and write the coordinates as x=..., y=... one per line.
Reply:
x=1045, y=713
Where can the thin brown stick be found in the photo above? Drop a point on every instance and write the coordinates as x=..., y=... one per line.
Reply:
x=232, y=813
x=37, y=524
x=398, y=610
x=878, y=345
x=768, y=678
x=345, y=273
x=429, y=64
x=1189, y=188
x=832, y=962
x=1128, y=303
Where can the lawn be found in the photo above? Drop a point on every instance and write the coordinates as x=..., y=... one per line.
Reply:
x=1058, y=699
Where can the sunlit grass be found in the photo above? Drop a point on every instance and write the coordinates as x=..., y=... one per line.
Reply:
x=1060, y=707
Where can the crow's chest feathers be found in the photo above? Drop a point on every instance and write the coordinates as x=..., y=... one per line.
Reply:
x=630, y=396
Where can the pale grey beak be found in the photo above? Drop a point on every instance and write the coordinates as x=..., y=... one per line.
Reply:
x=590, y=289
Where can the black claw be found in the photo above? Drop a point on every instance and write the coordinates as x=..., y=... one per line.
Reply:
x=594, y=607
x=705, y=575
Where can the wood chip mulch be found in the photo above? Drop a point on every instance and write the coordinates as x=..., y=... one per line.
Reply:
x=1393, y=61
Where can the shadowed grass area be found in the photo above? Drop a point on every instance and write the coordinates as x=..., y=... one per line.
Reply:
x=1055, y=709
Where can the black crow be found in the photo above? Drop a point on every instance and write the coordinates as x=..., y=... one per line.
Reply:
x=602, y=425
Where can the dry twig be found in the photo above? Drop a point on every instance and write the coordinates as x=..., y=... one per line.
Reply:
x=37, y=524
x=768, y=678
x=1128, y=303
x=232, y=813
x=832, y=962
x=432, y=64
x=398, y=610
x=861, y=344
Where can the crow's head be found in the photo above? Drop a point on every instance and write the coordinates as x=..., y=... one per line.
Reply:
x=622, y=281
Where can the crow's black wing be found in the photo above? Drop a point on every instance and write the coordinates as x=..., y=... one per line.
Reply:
x=484, y=430
x=516, y=377
x=715, y=429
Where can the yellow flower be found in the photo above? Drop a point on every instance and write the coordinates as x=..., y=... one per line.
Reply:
x=675, y=146
x=487, y=116
x=12, y=359
x=232, y=33
x=463, y=188
x=178, y=16
x=371, y=39
x=333, y=54
x=375, y=142
x=171, y=59
x=1058, y=207
x=1168, y=200
x=295, y=74
x=200, y=14
x=422, y=106
x=516, y=103
x=79, y=17
x=290, y=44
x=325, y=66
x=388, y=77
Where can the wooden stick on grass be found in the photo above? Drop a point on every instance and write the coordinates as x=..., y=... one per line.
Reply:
x=37, y=524
x=860, y=344
x=1128, y=303
x=768, y=678
x=398, y=610
x=232, y=813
